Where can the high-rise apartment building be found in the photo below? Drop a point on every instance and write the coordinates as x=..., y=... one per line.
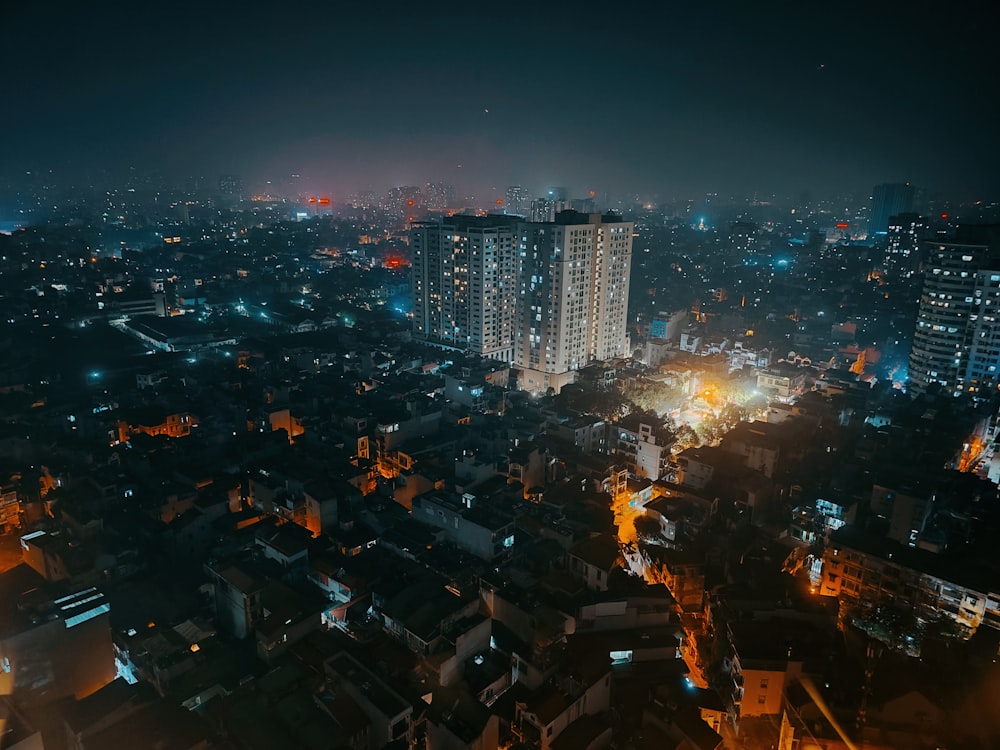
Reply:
x=573, y=284
x=463, y=283
x=888, y=200
x=404, y=203
x=548, y=297
x=438, y=196
x=230, y=190
x=517, y=200
x=956, y=341
x=545, y=209
x=902, y=252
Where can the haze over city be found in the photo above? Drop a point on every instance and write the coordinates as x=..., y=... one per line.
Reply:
x=657, y=100
x=481, y=377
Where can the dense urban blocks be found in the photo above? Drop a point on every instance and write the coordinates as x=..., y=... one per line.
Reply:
x=386, y=474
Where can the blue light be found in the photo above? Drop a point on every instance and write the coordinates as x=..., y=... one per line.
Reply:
x=88, y=615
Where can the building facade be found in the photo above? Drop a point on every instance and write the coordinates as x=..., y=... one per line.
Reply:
x=643, y=445
x=902, y=252
x=869, y=574
x=956, y=340
x=463, y=283
x=547, y=296
x=573, y=288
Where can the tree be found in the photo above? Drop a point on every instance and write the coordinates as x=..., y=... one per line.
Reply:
x=647, y=527
x=655, y=396
x=686, y=436
x=714, y=428
x=609, y=404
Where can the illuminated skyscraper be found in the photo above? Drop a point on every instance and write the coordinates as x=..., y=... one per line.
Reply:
x=463, y=283
x=549, y=297
x=545, y=209
x=438, y=196
x=902, y=253
x=573, y=285
x=956, y=341
x=517, y=200
x=404, y=203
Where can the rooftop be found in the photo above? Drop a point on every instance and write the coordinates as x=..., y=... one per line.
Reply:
x=348, y=669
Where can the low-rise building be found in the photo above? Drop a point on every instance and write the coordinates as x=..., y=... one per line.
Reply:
x=593, y=560
x=782, y=380
x=582, y=691
x=390, y=715
x=475, y=527
x=868, y=571
x=238, y=596
x=54, y=642
x=643, y=444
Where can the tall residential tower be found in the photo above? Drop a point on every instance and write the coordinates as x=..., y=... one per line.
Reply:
x=550, y=297
x=463, y=283
x=573, y=284
x=956, y=341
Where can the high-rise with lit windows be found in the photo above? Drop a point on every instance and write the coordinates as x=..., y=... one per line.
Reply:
x=549, y=297
x=573, y=285
x=463, y=283
x=902, y=252
x=517, y=200
x=956, y=341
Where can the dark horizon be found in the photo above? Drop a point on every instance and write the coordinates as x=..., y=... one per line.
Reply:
x=664, y=103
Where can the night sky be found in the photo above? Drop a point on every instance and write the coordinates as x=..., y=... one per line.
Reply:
x=656, y=99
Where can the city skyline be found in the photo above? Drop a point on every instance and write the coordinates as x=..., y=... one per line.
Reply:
x=673, y=103
x=441, y=377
